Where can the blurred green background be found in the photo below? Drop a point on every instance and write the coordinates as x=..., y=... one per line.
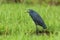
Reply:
x=51, y=2
x=16, y=24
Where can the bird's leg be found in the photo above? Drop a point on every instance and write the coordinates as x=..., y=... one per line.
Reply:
x=37, y=30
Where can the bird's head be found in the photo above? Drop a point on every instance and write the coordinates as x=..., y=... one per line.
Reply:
x=30, y=11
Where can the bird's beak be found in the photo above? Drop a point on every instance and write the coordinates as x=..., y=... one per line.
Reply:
x=26, y=11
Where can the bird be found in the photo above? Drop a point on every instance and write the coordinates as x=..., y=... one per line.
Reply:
x=37, y=19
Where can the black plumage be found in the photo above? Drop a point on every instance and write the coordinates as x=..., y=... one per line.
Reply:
x=37, y=19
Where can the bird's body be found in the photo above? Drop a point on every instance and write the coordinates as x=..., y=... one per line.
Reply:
x=37, y=18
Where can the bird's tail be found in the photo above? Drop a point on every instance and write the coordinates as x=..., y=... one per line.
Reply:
x=44, y=27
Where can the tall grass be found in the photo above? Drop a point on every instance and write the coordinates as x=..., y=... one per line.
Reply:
x=16, y=22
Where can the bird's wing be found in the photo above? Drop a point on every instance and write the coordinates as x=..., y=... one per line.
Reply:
x=39, y=19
